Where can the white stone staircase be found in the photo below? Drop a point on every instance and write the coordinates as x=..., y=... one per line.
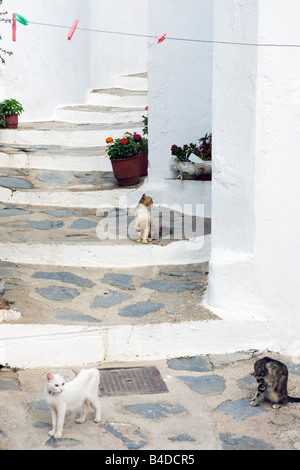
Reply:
x=55, y=186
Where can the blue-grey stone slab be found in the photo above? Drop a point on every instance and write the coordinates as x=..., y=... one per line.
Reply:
x=119, y=280
x=13, y=212
x=65, y=277
x=84, y=178
x=140, y=309
x=38, y=405
x=41, y=425
x=8, y=265
x=109, y=174
x=52, y=177
x=8, y=384
x=165, y=285
x=10, y=182
x=230, y=442
x=76, y=317
x=83, y=224
x=65, y=213
x=206, y=384
x=180, y=273
x=110, y=299
x=64, y=442
x=247, y=382
x=182, y=438
x=155, y=410
x=58, y=293
x=240, y=409
x=134, y=441
x=197, y=363
x=293, y=368
x=45, y=224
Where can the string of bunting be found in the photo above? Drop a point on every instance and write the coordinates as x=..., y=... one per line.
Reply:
x=160, y=39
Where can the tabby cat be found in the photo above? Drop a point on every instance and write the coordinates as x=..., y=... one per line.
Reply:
x=272, y=379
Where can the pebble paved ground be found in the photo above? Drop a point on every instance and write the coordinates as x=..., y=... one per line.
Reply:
x=104, y=297
x=206, y=407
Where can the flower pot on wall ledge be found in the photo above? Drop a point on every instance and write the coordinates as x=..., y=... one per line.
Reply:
x=126, y=170
x=12, y=121
x=192, y=171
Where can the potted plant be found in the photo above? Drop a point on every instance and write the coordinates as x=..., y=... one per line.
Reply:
x=193, y=161
x=10, y=109
x=124, y=159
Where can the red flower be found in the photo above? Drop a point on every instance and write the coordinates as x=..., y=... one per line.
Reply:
x=124, y=141
x=137, y=137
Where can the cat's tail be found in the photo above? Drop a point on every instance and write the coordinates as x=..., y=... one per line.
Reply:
x=293, y=399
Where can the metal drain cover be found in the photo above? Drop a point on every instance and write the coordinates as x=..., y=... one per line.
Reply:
x=131, y=381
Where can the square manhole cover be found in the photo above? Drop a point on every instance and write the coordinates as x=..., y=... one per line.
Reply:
x=131, y=381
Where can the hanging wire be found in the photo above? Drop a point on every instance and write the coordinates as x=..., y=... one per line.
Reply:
x=204, y=41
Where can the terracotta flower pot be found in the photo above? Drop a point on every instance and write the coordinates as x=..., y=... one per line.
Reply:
x=12, y=121
x=144, y=162
x=126, y=170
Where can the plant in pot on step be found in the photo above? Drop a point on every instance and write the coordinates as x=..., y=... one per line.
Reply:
x=124, y=159
x=10, y=111
x=193, y=161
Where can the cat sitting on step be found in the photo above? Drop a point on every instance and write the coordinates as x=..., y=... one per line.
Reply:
x=77, y=394
x=143, y=219
x=272, y=379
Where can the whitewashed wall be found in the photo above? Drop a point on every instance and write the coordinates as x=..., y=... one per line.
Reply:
x=47, y=70
x=113, y=54
x=254, y=268
x=180, y=78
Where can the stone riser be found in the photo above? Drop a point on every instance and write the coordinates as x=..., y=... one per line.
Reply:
x=72, y=138
x=126, y=343
x=90, y=117
x=107, y=99
x=85, y=163
x=131, y=82
x=108, y=256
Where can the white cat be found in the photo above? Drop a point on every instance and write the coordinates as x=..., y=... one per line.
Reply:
x=143, y=219
x=77, y=394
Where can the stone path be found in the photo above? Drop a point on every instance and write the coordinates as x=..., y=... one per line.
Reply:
x=207, y=406
x=86, y=296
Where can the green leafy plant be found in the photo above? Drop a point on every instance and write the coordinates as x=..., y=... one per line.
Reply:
x=11, y=106
x=127, y=146
x=202, y=150
x=145, y=121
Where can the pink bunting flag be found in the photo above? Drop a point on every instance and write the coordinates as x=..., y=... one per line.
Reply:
x=72, y=30
x=161, y=38
x=14, y=28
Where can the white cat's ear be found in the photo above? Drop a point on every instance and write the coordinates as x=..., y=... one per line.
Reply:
x=61, y=373
x=49, y=377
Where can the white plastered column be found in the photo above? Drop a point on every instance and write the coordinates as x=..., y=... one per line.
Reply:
x=254, y=267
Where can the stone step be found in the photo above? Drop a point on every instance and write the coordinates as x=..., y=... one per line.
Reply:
x=86, y=315
x=120, y=97
x=92, y=296
x=53, y=157
x=104, y=237
x=66, y=134
x=134, y=81
x=99, y=114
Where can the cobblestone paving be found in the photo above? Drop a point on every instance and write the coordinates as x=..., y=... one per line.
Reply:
x=207, y=406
